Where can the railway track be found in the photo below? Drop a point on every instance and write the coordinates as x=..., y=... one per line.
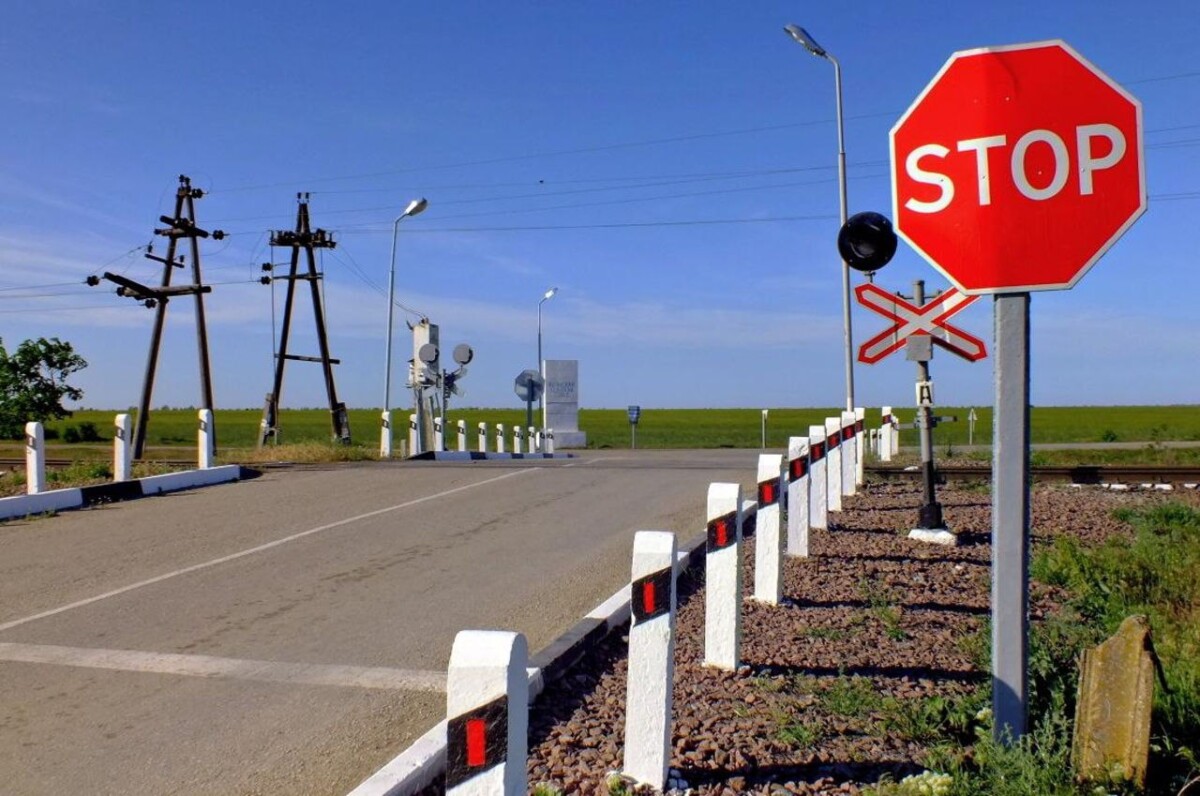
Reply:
x=1077, y=474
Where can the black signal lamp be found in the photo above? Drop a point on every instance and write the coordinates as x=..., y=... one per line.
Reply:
x=867, y=241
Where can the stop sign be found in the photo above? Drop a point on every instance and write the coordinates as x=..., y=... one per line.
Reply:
x=1017, y=167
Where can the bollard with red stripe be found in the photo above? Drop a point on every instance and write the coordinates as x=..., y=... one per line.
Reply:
x=818, y=483
x=768, y=533
x=723, y=577
x=860, y=436
x=885, y=435
x=833, y=467
x=487, y=714
x=849, y=454
x=798, y=498
x=35, y=458
x=385, y=435
x=648, y=703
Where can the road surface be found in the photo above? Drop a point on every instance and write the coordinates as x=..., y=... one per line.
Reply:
x=289, y=634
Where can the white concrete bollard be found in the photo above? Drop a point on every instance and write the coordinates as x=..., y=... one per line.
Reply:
x=439, y=433
x=385, y=435
x=723, y=577
x=531, y=440
x=651, y=659
x=204, y=439
x=412, y=436
x=122, y=449
x=462, y=436
x=518, y=434
x=482, y=428
x=797, y=502
x=885, y=435
x=35, y=458
x=768, y=533
x=833, y=466
x=499, y=438
x=548, y=441
x=818, y=483
x=487, y=714
x=849, y=454
x=860, y=445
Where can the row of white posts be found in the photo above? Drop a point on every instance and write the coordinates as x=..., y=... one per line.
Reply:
x=35, y=450
x=530, y=440
x=487, y=685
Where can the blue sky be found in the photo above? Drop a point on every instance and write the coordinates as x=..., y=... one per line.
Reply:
x=585, y=145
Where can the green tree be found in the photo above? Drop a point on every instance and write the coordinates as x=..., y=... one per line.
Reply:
x=33, y=383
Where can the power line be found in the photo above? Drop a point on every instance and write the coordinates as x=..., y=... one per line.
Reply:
x=562, y=152
x=1178, y=76
x=690, y=223
x=650, y=183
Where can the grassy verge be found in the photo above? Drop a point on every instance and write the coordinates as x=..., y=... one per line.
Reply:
x=1154, y=574
x=659, y=428
x=81, y=473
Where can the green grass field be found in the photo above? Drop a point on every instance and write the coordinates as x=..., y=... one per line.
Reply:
x=670, y=428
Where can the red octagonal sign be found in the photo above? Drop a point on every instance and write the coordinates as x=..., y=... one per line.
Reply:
x=1017, y=168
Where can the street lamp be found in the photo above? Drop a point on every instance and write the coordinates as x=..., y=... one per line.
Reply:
x=541, y=371
x=802, y=37
x=415, y=207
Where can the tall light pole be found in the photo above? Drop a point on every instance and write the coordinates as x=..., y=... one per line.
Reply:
x=801, y=35
x=415, y=207
x=542, y=395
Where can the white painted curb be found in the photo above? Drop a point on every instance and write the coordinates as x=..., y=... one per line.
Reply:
x=61, y=499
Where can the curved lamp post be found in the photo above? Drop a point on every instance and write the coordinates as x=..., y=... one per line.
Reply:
x=541, y=370
x=415, y=207
x=802, y=36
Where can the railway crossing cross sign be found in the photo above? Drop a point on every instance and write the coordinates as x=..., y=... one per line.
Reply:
x=910, y=319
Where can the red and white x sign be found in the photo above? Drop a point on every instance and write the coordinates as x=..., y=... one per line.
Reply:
x=929, y=318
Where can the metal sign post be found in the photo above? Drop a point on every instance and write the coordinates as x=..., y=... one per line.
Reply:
x=635, y=412
x=528, y=386
x=1010, y=514
x=930, y=515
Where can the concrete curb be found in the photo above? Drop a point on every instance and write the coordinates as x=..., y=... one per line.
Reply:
x=420, y=764
x=476, y=456
x=82, y=497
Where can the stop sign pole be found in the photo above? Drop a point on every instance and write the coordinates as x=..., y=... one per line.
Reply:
x=1015, y=170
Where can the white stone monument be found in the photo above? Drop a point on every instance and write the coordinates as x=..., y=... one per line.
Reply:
x=561, y=398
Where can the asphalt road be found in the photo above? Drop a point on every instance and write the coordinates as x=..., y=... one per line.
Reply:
x=289, y=634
